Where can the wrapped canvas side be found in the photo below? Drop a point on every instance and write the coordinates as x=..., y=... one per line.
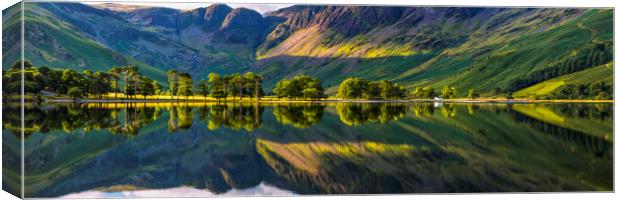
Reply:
x=13, y=128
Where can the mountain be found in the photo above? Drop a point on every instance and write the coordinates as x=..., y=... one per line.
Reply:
x=468, y=47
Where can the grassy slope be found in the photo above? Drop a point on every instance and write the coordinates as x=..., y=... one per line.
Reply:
x=83, y=50
x=601, y=73
x=488, y=59
x=368, y=55
x=492, y=65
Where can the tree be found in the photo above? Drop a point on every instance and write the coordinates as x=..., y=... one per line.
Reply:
x=185, y=85
x=115, y=73
x=172, y=81
x=472, y=94
x=424, y=93
x=352, y=88
x=253, y=84
x=217, y=86
x=312, y=93
x=99, y=84
x=203, y=88
x=75, y=92
x=357, y=88
x=258, y=86
x=131, y=80
x=448, y=92
x=157, y=87
x=374, y=90
x=295, y=87
x=70, y=78
x=282, y=88
x=237, y=82
x=146, y=86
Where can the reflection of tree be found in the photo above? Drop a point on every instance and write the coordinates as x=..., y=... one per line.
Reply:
x=299, y=115
x=596, y=111
x=73, y=117
x=181, y=117
x=353, y=114
x=235, y=116
x=172, y=122
x=448, y=110
x=584, y=142
x=472, y=108
x=423, y=109
x=185, y=116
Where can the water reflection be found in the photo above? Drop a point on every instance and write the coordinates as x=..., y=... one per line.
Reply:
x=311, y=148
x=299, y=115
x=237, y=117
x=353, y=114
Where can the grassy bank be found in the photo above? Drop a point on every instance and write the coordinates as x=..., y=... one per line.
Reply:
x=111, y=98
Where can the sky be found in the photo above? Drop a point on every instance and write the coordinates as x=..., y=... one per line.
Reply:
x=261, y=8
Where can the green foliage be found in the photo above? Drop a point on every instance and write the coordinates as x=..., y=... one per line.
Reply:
x=472, y=94
x=448, y=92
x=236, y=84
x=354, y=88
x=300, y=86
x=157, y=88
x=185, y=84
x=591, y=55
x=424, y=93
x=218, y=86
x=353, y=114
x=99, y=84
x=34, y=81
x=358, y=88
x=599, y=73
x=146, y=86
x=203, y=88
x=300, y=116
x=75, y=92
x=598, y=91
x=172, y=82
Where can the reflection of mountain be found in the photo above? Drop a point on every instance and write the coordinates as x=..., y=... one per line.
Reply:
x=474, y=148
x=447, y=156
x=592, y=119
x=581, y=140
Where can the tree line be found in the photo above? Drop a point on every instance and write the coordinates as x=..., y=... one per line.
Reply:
x=234, y=85
x=598, y=90
x=78, y=84
x=359, y=88
x=300, y=86
x=127, y=80
x=591, y=55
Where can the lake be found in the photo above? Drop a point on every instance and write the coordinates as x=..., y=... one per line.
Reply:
x=209, y=149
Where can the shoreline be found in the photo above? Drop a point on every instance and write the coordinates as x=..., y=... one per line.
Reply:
x=322, y=101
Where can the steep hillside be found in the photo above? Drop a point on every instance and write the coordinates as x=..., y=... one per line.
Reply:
x=52, y=42
x=600, y=73
x=425, y=46
x=493, y=63
x=470, y=48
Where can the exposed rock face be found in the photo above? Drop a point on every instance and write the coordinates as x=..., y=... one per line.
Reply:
x=242, y=25
x=164, y=17
x=322, y=41
x=214, y=16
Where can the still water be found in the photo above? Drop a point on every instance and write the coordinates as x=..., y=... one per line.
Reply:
x=209, y=149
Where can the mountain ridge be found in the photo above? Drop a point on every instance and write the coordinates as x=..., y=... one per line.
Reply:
x=415, y=46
